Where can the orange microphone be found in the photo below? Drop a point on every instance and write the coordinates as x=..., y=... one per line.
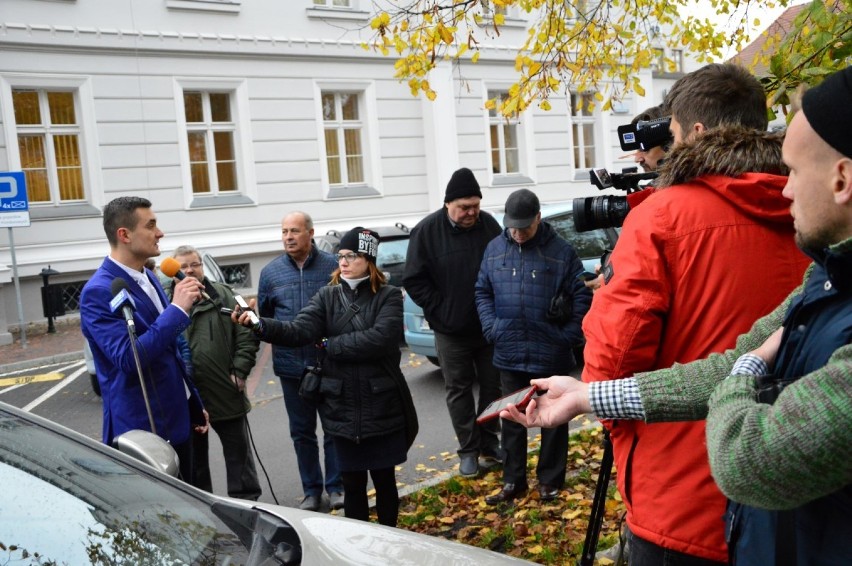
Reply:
x=171, y=268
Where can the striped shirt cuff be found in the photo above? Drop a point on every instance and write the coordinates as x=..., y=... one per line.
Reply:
x=749, y=364
x=617, y=399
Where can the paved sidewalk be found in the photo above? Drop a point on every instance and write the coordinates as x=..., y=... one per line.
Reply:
x=66, y=344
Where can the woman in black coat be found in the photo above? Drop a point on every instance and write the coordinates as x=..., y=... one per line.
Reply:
x=365, y=404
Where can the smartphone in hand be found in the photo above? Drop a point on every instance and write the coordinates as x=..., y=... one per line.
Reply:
x=243, y=306
x=519, y=398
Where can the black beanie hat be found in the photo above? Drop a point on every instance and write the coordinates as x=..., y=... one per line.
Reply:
x=828, y=108
x=362, y=241
x=462, y=185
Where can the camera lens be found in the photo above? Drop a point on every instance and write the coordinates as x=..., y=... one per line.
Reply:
x=607, y=211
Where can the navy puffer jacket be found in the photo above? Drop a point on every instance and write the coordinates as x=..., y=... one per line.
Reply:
x=514, y=291
x=284, y=290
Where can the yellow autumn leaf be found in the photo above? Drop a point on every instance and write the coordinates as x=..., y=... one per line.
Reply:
x=447, y=520
x=537, y=549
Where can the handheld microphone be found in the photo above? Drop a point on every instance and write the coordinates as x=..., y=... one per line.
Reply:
x=121, y=299
x=171, y=268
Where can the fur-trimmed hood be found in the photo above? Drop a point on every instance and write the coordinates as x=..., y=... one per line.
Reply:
x=742, y=164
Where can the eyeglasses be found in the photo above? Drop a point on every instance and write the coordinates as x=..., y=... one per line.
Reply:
x=351, y=256
x=193, y=265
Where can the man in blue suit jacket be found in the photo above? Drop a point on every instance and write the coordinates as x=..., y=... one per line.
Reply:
x=131, y=228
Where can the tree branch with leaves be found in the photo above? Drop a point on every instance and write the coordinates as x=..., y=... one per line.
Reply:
x=590, y=45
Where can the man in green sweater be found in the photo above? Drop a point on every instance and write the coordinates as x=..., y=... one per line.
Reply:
x=222, y=357
x=779, y=405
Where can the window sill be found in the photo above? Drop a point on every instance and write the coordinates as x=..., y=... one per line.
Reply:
x=48, y=212
x=667, y=75
x=511, y=180
x=219, y=200
x=352, y=192
x=226, y=6
x=337, y=14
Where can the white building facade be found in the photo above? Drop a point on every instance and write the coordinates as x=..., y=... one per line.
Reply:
x=227, y=114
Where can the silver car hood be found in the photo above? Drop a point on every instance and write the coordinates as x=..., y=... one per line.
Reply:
x=327, y=539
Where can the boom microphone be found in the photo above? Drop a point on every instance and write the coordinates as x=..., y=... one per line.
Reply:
x=171, y=268
x=121, y=299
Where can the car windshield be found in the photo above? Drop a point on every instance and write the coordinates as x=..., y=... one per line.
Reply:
x=591, y=244
x=391, y=258
x=72, y=504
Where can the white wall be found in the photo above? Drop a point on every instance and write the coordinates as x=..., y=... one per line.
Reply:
x=133, y=53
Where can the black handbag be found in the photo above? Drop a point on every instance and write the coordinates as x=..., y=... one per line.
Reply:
x=309, y=384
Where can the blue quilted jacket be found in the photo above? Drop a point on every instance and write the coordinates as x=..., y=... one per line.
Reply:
x=284, y=290
x=514, y=291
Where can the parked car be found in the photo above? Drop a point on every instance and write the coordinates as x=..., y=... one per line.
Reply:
x=71, y=500
x=590, y=247
x=211, y=270
x=392, y=249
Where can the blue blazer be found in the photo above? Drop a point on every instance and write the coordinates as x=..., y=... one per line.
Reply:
x=165, y=375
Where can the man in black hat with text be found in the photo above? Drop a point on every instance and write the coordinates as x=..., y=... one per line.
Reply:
x=443, y=260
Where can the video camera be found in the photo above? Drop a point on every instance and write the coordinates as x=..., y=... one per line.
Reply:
x=591, y=213
x=609, y=211
x=645, y=134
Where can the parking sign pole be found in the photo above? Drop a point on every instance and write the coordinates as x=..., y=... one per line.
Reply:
x=21, y=324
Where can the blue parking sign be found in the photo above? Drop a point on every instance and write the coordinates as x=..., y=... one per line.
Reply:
x=14, y=205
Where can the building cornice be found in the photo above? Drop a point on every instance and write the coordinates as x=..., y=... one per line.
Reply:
x=87, y=39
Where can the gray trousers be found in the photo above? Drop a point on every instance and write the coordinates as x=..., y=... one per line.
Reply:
x=466, y=361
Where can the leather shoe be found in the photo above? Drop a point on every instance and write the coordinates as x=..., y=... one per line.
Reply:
x=310, y=503
x=491, y=458
x=508, y=493
x=469, y=466
x=547, y=492
x=335, y=500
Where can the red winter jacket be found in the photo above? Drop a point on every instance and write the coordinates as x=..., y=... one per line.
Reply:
x=696, y=264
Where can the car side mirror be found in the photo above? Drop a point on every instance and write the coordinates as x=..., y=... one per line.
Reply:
x=150, y=449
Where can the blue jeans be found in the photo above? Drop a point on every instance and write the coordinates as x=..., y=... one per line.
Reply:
x=303, y=430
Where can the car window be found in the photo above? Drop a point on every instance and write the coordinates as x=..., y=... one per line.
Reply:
x=74, y=505
x=590, y=244
x=391, y=258
x=211, y=268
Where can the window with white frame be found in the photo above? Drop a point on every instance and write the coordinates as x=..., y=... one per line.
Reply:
x=49, y=145
x=677, y=59
x=226, y=6
x=578, y=8
x=583, y=118
x=658, y=63
x=344, y=144
x=489, y=9
x=334, y=3
x=210, y=133
x=348, y=134
x=214, y=144
x=505, y=151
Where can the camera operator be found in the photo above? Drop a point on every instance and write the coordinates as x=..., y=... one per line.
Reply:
x=650, y=159
x=684, y=281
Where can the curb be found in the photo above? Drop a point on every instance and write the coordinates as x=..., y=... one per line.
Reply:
x=38, y=362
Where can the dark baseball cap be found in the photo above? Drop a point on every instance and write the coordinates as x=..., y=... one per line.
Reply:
x=522, y=207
